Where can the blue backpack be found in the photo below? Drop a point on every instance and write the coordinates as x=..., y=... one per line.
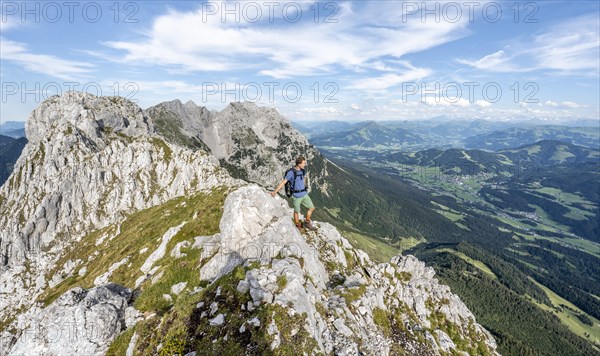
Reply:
x=289, y=185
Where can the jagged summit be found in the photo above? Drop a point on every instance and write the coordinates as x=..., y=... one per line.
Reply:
x=257, y=113
x=255, y=143
x=88, y=113
x=191, y=105
x=90, y=162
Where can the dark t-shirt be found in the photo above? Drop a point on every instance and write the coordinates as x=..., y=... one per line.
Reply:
x=299, y=182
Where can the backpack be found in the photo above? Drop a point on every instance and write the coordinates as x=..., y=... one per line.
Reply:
x=289, y=185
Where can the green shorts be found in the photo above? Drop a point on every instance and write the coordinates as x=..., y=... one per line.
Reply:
x=305, y=200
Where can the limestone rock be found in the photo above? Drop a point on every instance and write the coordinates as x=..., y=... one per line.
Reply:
x=321, y=276
x=258, y=142
x=80, y=322
x=217, y=320
x=90, y=162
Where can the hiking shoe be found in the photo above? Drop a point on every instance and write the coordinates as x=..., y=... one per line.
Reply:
x=299, y=226
x=309, y=225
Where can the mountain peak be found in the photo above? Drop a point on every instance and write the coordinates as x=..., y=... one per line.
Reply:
x=88, y=113
x=245, y=103
x=259, y=141
x=190, y=104
x=89, y=163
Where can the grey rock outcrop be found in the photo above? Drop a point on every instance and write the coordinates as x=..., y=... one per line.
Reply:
x=90, y=114
x=256, y=143
x=80, y=322
x=342, y=293
x=90, y=162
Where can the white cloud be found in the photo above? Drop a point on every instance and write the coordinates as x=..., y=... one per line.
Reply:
x=563, y=104
x=483, y=103
x=417, y=110
x=323, y=111
x=320, y=110
x=571, y=47
x=9, y=21
x=441, y=101
x=42, y=63
x=407, y=74
x=354, y=106
x=165, y=86
x=496, y=62
x=570, y=104
x=296, y=49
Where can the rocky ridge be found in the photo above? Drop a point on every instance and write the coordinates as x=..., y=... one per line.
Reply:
x=98, y=197
x=89, y=162
x=254, y=143
x=269, y=288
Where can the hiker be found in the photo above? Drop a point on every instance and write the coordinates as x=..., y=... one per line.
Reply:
x=299, y=193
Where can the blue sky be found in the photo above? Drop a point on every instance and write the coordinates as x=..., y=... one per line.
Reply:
x=336, y=60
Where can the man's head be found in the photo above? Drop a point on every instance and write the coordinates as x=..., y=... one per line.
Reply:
x=300, y=162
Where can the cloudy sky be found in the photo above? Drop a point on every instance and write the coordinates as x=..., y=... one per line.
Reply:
x=312, y=61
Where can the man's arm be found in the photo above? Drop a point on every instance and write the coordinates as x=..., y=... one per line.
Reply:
x=274, y=193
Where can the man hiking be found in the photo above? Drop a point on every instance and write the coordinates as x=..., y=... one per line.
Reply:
x=300, y=193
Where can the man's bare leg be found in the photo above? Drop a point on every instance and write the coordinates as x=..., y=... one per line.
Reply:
x=296, y=218
x=309, y=213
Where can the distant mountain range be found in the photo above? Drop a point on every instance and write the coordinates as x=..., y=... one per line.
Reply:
x=474, y=161
x=517, y=136
x=14, y=129
x=369, y=135
x=420, y=135
x=551, y=152
x=502, y=178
